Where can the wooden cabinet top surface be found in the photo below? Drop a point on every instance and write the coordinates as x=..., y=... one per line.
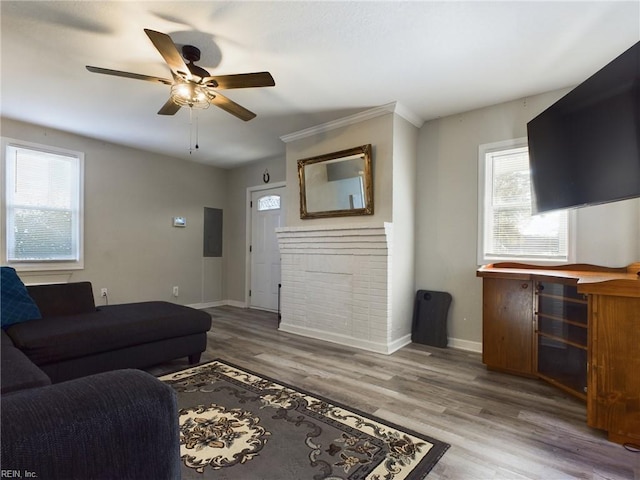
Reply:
x=623, y=281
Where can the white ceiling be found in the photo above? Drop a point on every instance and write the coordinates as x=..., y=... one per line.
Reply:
x=329, y=60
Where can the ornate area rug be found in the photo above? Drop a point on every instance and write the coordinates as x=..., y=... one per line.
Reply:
x=236, y=424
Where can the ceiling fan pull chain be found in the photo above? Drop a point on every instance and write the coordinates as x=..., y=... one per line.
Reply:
x=190, y=130
x=191, y=146
x=197, y=147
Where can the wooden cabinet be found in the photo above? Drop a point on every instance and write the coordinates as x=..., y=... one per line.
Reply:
x=507, y=327
x=577, y=327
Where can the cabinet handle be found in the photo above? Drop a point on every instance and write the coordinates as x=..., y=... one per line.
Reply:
x=525, y=285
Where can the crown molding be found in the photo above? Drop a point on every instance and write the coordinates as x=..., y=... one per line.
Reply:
x=393, y=107
x=404, y=112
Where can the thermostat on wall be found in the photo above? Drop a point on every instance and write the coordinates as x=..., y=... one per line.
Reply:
x=179, y=222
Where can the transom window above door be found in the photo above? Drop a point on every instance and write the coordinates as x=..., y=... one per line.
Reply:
x=269, y=202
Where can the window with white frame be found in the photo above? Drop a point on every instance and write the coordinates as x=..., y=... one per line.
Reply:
x=43, y=207
x=507, y=230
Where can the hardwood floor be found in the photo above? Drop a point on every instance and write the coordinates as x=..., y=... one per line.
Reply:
x=499, y=426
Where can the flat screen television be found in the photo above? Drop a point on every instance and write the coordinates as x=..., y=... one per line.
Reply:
x=585, y=148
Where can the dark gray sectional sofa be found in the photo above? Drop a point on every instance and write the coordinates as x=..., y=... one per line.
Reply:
x=73, y=406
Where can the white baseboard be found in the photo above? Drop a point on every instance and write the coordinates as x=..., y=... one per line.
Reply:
x=200, y=306
x=236, y=303
x=398, y=344
x=377, y=347
x=218, y=303
x=467, y=345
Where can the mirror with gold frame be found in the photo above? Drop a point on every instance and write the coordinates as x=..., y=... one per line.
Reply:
x=336, y=184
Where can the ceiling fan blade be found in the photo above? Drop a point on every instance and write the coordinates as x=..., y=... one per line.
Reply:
x=169, y=108
x=230, y=106
x=241, y=80
x=169, y=52
x=137, y=76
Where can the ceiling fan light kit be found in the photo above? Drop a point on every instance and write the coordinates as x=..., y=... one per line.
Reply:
x=192, y=86
x=190, y=95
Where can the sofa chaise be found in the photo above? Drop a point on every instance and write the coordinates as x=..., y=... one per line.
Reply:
x=74, y=338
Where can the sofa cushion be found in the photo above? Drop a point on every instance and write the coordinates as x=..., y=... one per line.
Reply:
x=15, y=303
x=63, y=298
x=109, y=328
x=17, y=372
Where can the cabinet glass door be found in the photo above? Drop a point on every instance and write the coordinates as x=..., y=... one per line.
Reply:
x=562, y=336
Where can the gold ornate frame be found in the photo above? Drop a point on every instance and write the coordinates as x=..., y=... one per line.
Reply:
x=316, y=201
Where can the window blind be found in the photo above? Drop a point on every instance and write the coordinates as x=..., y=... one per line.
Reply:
x=42, y=205
x=511, y=231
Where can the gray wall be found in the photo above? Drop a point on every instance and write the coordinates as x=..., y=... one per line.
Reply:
x=447, y=210
x=405, y=151
x=131, y=247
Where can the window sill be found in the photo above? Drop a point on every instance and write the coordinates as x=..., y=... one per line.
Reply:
x=43, y=273
x=527, y=260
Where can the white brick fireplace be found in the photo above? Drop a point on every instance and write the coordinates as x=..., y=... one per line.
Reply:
x=336, y=285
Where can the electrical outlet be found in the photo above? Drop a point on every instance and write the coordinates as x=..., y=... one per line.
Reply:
x=175, y=291
x=103, y=292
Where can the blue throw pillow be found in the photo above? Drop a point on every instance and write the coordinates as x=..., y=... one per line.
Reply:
x=15, y=303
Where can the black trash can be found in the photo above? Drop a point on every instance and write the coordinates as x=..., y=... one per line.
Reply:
x=430, y=318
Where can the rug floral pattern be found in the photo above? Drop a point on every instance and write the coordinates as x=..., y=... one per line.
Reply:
x=236, y=424
x=216, y=437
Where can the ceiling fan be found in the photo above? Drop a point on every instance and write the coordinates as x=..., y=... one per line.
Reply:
x=192, y=86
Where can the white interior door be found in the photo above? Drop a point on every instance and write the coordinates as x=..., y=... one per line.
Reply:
x=267, y=214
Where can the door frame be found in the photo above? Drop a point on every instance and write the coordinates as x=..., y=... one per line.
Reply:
x=248, y=218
